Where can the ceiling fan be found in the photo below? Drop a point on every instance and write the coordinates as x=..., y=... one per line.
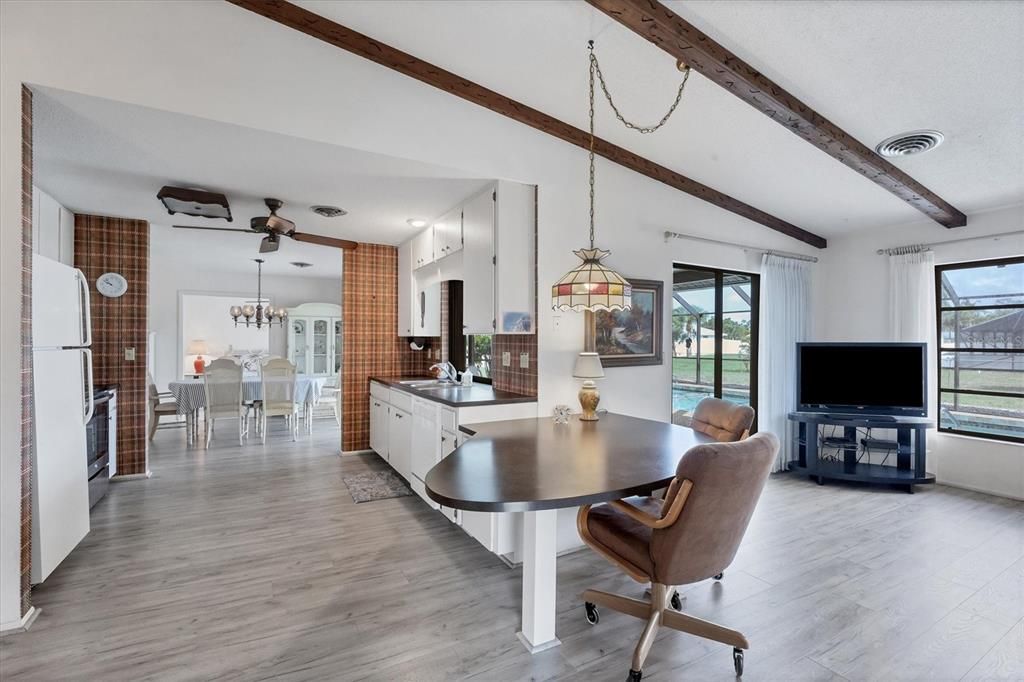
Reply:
x=274, y=227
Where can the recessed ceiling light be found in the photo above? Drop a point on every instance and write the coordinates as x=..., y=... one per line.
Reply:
x=300, y=264
x=416, y=222
x=914, y=142
x=328, y=211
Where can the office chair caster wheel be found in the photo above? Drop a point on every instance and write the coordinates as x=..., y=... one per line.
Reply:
x=719, y=576
x=676, y=602
x=737, y=661
x=634, y=675
x=593, y=615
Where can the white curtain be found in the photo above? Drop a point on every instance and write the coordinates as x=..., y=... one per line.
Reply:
x=784, y=320
x=912, y=306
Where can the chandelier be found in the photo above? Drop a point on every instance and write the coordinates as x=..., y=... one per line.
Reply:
x=257, y=315
x=592, y=285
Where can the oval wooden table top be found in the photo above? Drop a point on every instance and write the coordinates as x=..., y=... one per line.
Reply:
x=534, y=464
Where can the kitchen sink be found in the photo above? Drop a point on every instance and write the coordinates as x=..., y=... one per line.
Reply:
x=426, y=383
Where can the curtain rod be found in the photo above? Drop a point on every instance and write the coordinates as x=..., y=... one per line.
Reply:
x=745, y=247
x=917, y=248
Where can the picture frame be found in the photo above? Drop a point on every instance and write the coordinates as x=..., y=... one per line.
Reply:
x=629, y=338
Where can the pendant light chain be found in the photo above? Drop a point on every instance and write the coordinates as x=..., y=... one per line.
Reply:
x=596, y=68
x=593, y=63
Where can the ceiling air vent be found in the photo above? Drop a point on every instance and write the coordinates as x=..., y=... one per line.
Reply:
x=905, y=144
x=328, y=211
x=301, y=264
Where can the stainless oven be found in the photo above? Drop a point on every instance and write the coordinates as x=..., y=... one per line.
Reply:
x=98, y=438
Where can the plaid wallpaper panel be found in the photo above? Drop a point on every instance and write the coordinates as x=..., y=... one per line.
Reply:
x=104, y=244
x=370, y=344
x=27, y=387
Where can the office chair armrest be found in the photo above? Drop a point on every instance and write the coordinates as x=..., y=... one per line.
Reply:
x=675, y=508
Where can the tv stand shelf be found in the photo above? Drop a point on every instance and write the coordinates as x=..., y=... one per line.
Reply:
x=847, y=465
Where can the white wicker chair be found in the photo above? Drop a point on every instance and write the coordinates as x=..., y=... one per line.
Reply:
x=222, y=382
x=278, y=377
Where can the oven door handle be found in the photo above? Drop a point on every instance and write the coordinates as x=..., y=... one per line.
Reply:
x=87, y=388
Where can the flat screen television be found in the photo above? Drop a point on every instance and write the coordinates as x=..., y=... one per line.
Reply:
x=863, y=378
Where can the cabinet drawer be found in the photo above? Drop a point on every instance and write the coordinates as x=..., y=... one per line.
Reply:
x=421, y=490
x=449, y=422
x=401, y=400
x=380, y=391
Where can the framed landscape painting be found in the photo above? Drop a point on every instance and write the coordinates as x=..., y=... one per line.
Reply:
x=625, y=338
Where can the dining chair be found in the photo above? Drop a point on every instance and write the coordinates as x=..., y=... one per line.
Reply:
x=278, y=378
x=331, y=391
x=157, y=406
x=222, y=383
x=723, y=420
x=691, y=535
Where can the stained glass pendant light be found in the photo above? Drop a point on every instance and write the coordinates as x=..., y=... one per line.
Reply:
x=591, y=285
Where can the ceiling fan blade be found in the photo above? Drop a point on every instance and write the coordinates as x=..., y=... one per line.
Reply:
x=323, y=241
x=269, y=244
x=220, y=229
x=279, y=224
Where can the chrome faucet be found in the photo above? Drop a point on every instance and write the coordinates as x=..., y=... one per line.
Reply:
x=447, y=371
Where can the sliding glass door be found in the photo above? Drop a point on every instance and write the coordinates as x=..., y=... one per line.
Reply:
x=714, y=337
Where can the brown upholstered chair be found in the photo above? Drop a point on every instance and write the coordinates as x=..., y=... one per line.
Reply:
x=691, y=535
x=722, y=420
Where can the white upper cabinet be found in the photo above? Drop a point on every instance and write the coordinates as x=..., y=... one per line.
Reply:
x=448, y=232
x=405, y=293
x=423, y=248
x=515, y=279
x=427, y=310
x=53, y=228
x=478, y=264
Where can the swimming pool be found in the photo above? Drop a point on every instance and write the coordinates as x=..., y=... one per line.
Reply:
x=686, y=397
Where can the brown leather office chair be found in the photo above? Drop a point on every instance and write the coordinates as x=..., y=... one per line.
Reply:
x=723, y=420
x=691, y=535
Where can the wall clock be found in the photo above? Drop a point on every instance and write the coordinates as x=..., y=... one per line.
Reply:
x=111, y=284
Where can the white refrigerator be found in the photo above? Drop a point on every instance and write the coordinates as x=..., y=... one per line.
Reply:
x=63, y=392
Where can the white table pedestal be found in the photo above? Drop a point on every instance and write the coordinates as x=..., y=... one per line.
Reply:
x=540, y=530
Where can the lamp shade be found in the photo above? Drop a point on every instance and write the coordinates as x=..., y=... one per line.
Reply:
x=588, y=366
x=197, y=347
x=592, y=285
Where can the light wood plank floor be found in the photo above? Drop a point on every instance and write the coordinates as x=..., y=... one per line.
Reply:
x=254, y=563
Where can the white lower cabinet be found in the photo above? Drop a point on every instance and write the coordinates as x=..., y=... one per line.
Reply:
x=400, y=441
x=413, y=434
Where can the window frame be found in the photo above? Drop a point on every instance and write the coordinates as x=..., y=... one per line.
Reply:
x=458, y=343
x=939, y=349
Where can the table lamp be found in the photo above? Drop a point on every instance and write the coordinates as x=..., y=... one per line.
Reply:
x=588, y=367
x=197, y=347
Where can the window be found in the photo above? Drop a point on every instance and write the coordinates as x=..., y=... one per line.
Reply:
x=714, y=337
x=467, y=351
x=980, y=310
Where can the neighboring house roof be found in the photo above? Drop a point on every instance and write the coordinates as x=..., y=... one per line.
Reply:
x=1007, y=324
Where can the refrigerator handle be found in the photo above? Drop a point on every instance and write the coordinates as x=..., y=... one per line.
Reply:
x=83, y=283
x=87, y=388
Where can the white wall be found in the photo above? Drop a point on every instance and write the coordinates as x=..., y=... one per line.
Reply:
x=171, y=272
x=853, y=305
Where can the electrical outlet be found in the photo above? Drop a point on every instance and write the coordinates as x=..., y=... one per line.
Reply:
x=506, y=359
x=524, y=360
x=129, y=354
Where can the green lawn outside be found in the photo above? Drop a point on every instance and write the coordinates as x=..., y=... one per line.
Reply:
x=735, y=370
x=986, y=380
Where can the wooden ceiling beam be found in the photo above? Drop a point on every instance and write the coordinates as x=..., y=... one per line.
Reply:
x=331, y=32
x=681, y=39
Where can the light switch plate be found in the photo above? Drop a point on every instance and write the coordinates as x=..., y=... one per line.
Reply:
x=524, y=360
x=129, y=354
x=506, y=359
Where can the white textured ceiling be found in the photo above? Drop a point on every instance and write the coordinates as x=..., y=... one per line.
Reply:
x=110, y=158
x=874, y=68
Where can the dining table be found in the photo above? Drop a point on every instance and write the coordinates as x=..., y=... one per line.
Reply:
x=190, y=397
x=538, y=466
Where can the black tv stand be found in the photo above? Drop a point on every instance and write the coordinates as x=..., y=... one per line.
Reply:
x=843, y=457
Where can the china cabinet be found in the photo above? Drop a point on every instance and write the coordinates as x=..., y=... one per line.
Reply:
x=314, y=338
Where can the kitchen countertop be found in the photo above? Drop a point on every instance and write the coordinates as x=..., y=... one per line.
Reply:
x=455, y=395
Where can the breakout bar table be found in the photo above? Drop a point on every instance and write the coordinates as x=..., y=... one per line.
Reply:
x=537, y=466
